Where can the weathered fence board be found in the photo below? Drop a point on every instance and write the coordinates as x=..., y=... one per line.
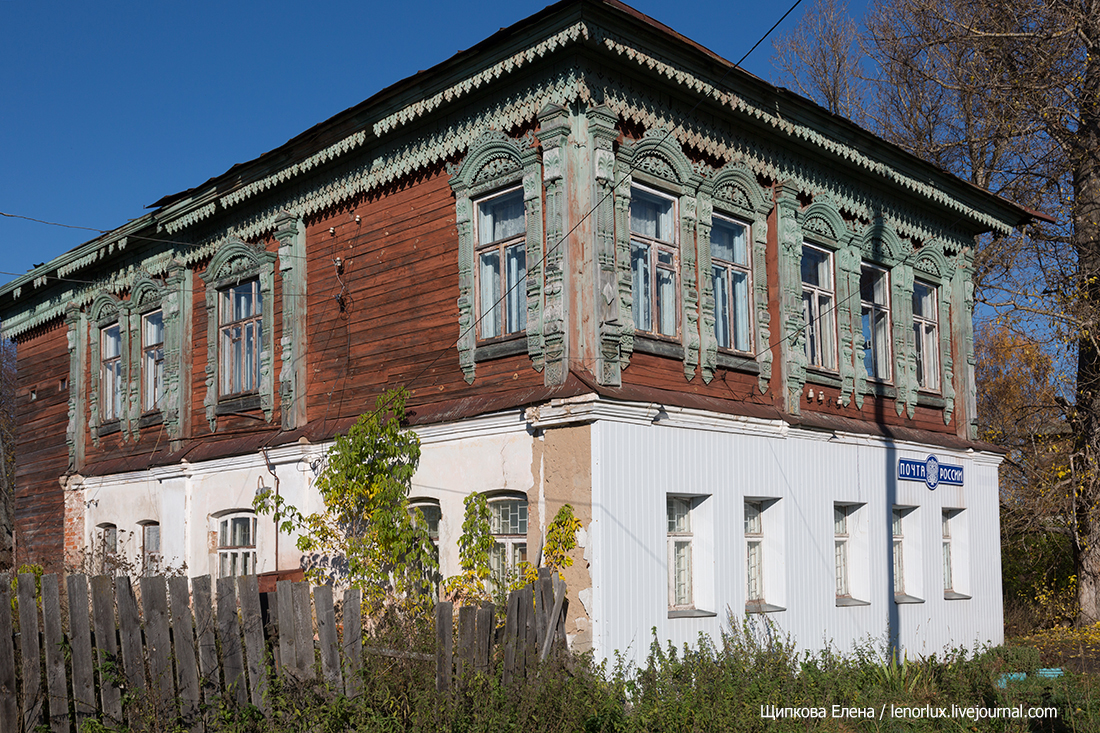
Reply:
x=444, y=633
x=183, y=638
x=303, y=631
x=288, y=652
x=253, y=622
x=106, y=655
x=129, y=632
x=80, y=646
x=9, y=696
x=229, y=634
x=483, y=637
x=353, y=640
x=511, y=636
x=158, y=649
x=203, y=605
x=467, y=620
x=326, y=636
x=56, y=682
x=29, y=649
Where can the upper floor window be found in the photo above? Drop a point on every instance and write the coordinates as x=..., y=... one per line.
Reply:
x=818, y=309
x=110, y=351
x=501, y=265
x=152, y=360
x=926, y=334
x=237, y=545
x=240, y=318
x=654, y=262
x=732, y=279
x=508, y=523
x=874, y=294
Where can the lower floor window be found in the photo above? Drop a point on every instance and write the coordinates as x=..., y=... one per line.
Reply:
x=754, y=541
x=237, y=545
x=508, y=522
x=679, y=552
x=150, y=547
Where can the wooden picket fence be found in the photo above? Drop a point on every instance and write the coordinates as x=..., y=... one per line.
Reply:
x=189, y=648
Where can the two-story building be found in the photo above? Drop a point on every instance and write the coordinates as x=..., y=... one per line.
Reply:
x=731, y=328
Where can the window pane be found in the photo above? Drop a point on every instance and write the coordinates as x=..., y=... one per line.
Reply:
x=501, y=217
x=720, y=276
x=666, y=301
x=640, y=287
x=755, y=558
x=152, y=538
x=752, y=517
x=841, y=559
x=111, y=342
x=650, y=215
x=741, y=311
x=516, y=261
x=679, y=512
x=682, y=573
x=840, y=520
x=815, y=268
x=489, y=280
x=728, y=242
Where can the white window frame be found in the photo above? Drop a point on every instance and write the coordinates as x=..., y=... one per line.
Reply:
x=948, y=573
x=841, y=546
x=152, y=555
x=907, y=555
x=234, y=336
x=510, y=548
x=738, y=305
x=875, y=311
x=152, y=363
x=926, y=337
x=754, y=551
x=662, y=255
x=502, y=306
x=819, y=313
x=106, y=547
x=110, y=374
x=680, y=548
x=237, y=559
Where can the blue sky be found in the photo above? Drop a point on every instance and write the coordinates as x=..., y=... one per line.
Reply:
x=107, y=107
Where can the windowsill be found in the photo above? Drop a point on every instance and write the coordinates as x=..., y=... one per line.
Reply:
x=690, y=613
x=729, y=360
x=149, y=419
x=903, y=598
x=238, y=404
x=881, y=389
x=108, y=428
x=820, y=377
x=762, y=607
x=516, y=344
x=846, y=602
x=950, y=595
x=649, y=344
x=925, y=399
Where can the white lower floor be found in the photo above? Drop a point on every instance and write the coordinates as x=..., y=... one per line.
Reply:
x=691, y=521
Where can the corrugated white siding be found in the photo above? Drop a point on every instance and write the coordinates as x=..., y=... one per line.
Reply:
x=802, y=474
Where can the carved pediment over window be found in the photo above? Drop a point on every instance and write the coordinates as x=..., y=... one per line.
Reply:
x=928, y=264
x=735, y=195
x=502, y=165
x=655, y=165
x=818, y=225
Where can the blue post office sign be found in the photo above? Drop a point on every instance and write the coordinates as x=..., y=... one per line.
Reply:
x=930, y=471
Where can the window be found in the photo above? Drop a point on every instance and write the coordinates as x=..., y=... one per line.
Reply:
x=501, y=265
x=729, y=253
x=899, y=547
x=817, y=307
x=874, y=294
x=926, y=335
x=237, y=545
x=840, y=554
x=152, y=361
x=240, y=318
x=754, y=547
x=653, y=262
x=508, y=523
x=108, y=548
x=432, y=515
x=110, y=351
x=679, y=553
x=948, y=575
x=150, y=547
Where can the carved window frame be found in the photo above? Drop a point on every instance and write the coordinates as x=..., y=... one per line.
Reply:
x=733, y=192
x=106, y=310
x=500, y=295
x=934, y=270
x=148, y=296
x=234, y=263
x=657, y=161
x=494, y=163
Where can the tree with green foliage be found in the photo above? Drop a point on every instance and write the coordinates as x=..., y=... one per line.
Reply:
x=366, y=536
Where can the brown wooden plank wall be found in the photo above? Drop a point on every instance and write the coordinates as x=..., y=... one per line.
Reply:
x=42, y=455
